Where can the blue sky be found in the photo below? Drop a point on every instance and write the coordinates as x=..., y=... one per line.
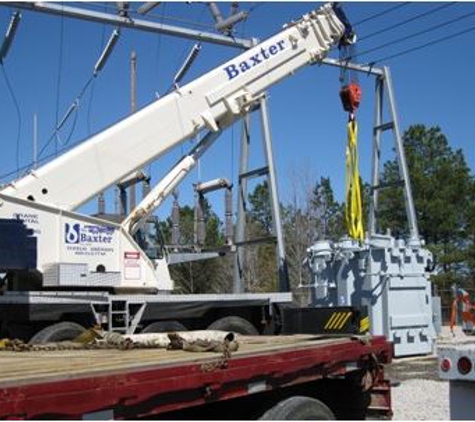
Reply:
x=434, y=86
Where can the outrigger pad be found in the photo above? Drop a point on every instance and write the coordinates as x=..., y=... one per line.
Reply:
x=325, y=320
x=18, y=245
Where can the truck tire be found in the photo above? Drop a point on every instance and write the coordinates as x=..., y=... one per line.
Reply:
x=235, y=324
x=57, y=332
x=298, y=408
x=164, y=327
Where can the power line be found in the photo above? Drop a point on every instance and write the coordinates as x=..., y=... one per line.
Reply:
x=17, y=108
x=112, y=9
x=420, y=47
x=416, y=34
x=72, y=109
x=255, y=6
x=382, y=13
x=60, y=65
x=183, y=54
x=25, y=168
x=159, y=46
x=416, y=17
x=181, y=20
x=91, y=96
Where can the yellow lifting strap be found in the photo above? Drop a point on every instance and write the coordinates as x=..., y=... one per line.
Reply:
x=353, y=208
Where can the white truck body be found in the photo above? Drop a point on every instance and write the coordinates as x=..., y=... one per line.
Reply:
x=462, y=385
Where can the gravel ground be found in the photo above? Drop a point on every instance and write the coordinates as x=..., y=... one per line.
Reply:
x=418, y=393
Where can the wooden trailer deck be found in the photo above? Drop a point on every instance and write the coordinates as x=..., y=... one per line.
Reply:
x=72, y=383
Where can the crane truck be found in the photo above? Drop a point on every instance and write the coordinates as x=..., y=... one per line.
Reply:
x=65, y=270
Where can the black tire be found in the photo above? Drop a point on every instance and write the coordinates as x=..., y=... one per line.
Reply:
x=164, y=327
x=299, y=408
x=234, y=324
x=57, y=332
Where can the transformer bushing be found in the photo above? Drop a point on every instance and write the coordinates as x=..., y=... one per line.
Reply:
x=386, y=275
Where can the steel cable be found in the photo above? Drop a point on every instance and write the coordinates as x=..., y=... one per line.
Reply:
x=382, y=13
x=60, y=68
x=420, y=47
x=416, y=17
x=17, y=109
x=416, y=34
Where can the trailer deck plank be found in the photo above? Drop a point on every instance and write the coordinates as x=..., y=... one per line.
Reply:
x=20, y=368
x=148, y=382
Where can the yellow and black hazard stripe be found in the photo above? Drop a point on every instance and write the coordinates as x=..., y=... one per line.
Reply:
x=364, y=325
x=338, y=321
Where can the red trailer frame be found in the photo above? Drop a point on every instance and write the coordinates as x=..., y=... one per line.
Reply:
x=163, y=388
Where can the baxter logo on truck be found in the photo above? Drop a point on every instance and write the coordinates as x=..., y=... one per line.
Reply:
x=75, y=234
x=233, y=70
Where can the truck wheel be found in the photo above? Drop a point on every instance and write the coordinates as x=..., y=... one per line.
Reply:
x=164, y=327
x=299, y=408
x=57, y=332
x=235, y=324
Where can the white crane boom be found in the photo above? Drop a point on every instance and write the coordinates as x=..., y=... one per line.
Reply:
x=212, y=101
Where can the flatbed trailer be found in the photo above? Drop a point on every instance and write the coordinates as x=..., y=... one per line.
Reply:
x=344, y=373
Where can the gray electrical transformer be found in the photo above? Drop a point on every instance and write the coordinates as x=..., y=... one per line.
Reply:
x=389, y=277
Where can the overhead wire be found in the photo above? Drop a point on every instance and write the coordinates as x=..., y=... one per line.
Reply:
x=75, y=104
x=382, y=13
x=420, y=47
x=189, y=22
x=412, y=19
x=150, y=14
x=255, y=6
x=58, y=81
x=91, y=96
x=184, y=52
x=27, y=167
x=159, y=45
x=72, y=109
x=416, y=34
x=157, y=68
x=18, y=114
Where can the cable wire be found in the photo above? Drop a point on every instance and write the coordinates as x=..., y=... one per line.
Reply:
x=416, y=17
x=73, y=108
x=255, y=6
x=159, y=45
x=416, y=34
x=60, y=66
x=91, y=96
x=17, y=109
x=112, y=9
x=420, y=47
x=382, y=13
x=184, y=52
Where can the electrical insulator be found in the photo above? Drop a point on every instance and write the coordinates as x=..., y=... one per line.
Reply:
x=11, y=31
x=107, y=51
x=187, y=64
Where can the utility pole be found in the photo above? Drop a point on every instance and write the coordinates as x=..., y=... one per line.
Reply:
x=133, y=108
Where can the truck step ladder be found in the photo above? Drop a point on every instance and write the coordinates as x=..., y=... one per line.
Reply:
x=118, y=316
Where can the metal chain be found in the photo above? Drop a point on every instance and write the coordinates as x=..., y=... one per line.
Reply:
x=220, y=363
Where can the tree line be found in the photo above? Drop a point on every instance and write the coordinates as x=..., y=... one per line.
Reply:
x=444, y=195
